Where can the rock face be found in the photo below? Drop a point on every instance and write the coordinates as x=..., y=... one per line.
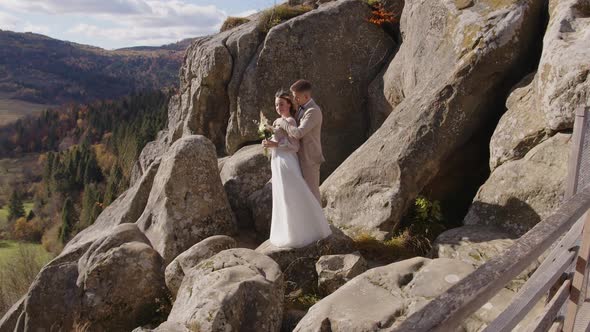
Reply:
x=564, y=81
x=298, y=264
x=177, y=269
x=209, y=79
x=245, y=172
x=521, y=193
x=113, y=284
x=529, y=160
x=260, y=204
x=336, y=270
x=380, y=297
x=440, y=85
x=521, y=128
x=235, y=290
x=347, y=53
x=472, y=244
x=187, y=202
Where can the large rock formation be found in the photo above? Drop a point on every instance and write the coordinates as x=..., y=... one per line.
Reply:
x=113, y=284
x=245, y=172
x=339, y=51
x=187, y=202
x=235, y=290
x=521, y=193
x=529, y=160
x=564, y=81
x=260, y=205
x=441, y=84
x=382, y=297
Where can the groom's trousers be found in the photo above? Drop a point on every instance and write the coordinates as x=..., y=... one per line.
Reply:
x=311, y=175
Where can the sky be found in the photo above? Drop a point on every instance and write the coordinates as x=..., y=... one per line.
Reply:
x=112, y=24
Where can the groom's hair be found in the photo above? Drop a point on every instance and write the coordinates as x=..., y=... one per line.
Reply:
x=301, y=86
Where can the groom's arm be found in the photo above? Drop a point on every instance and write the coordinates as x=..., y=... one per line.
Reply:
x=311, y=118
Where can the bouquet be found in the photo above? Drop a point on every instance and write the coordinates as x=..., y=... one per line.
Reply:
x=264, y=133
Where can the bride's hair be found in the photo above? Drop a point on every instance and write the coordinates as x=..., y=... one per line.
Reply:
x=286, y=96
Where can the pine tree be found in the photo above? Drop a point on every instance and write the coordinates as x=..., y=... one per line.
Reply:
x=16, y=208
x=113, y=184
x=67, y=221
x=90, y=202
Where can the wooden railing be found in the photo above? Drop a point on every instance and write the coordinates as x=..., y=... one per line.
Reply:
x=564, y=267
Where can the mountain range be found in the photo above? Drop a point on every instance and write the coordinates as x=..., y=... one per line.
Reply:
x=39, y=69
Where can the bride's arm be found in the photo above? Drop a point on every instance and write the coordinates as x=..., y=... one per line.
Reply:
x=289, y=142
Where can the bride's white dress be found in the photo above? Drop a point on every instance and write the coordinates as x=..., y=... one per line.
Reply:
x=297, y=217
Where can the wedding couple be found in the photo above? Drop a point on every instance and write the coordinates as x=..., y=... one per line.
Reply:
x=297, y=216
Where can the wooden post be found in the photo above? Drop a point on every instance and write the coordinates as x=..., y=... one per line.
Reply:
x=578, y=290
x=576, y=152
x=580, y=274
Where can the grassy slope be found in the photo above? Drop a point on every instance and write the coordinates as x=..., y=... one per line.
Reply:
x=9, y=250
x=12, y=109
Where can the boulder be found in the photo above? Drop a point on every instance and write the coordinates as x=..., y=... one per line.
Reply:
x=260, y=204
x=112, y=284
x=441, y=87
x=177, y=269
x=245, y=172
x=150, y=152
x=521, y=193
x=235, y=290
x=382, y=296
x=336, y=270
x=564, y=82
x=339, y=51
x=298, y=264
x=187, y=202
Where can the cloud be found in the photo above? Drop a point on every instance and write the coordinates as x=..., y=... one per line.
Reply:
x=8, y=22
x=121, y=22
x=246, y=13
x=13, y=23
x=78, y=6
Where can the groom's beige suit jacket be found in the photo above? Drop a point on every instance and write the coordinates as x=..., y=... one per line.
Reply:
x=310, y=154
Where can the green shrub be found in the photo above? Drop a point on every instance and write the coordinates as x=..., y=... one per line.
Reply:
x=279, y=14
x=232, y=22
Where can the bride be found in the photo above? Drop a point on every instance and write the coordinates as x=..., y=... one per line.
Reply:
x=297, y=217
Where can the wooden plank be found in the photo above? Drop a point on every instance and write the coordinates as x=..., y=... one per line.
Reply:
x=539, y=283
x=544, y=321
x=575, y=152
x=578, y=292
x=449, y=309
x=525, y=296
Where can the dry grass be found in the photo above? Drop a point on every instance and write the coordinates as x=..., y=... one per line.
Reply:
x=14, y=109
x=19, y=266
x=400, y=247
x=232, y=22
x=279, y=14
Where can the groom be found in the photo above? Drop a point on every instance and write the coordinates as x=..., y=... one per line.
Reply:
x=308, y=131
